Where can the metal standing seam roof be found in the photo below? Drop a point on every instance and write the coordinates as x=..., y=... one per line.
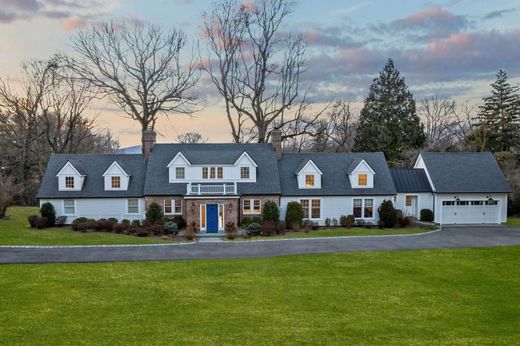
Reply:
x=465, y=172
x=410, y=180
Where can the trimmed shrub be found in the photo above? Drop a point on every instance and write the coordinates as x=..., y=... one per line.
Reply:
x=271, y=212
x=135, y=223
x=231, y=230
x=256, y=219
x=103, y=225
x=387, y=214
x=117, y=228
x=60, y=221
x=281, y=227
x=140, y=231
x=154, y=212
x=171, y=227
x=33, y=220
x=245, y=221
x=335, y=222
x=404, y=221
x=179, y=221
x=347, y=221
x=426, y=215
x=253, y=229
x=112, y=220
x=315, y=226
x=157, y=229
x=307, y=225
x=327, y=222
x=42, y=222
x=47, y=211
x=294, y=215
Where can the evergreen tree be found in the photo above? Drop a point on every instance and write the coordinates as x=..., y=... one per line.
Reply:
x=498, y=120
x=388, y=120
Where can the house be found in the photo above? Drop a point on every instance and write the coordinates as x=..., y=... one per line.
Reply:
x=211, y=184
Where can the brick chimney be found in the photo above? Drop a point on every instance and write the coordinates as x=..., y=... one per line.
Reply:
x=148, y=142
x=276, y=141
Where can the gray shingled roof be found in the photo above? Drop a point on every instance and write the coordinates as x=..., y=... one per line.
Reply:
x=335, y=181
x=161, y=155
x=93, y=166
x=465, y=172
x=410, y=180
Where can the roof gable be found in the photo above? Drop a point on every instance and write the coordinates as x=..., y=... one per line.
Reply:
x=357, y=164
x=309, y=163
x=117, y=167
x=245, y=157
x=179, y=157
x=69, y=166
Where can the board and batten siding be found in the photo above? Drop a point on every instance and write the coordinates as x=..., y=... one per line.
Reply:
x=335, y=206
x=98, y=208
x=424, y=201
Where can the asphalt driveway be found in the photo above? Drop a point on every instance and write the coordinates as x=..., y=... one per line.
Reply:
x=449, y=237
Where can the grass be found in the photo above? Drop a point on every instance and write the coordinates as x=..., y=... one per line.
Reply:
x=338, y=232
x=513, y=221
x=16, y=231
x=434, y=297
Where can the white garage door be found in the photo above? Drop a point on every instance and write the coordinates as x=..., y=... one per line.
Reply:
x=466, y=212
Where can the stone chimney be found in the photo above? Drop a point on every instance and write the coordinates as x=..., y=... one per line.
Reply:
x=276, y=141
x=148, y=142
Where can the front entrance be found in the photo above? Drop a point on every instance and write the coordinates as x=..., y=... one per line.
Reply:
x=212, y=218
x=411, y=206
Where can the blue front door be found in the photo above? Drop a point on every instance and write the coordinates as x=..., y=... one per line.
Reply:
x=212, y=218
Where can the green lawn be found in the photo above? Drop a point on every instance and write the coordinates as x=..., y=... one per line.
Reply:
x=513, y=221
x=339, y=232
x=434, y=297
x=17, y=232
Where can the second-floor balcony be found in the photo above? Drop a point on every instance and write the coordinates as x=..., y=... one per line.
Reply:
x=211, y=189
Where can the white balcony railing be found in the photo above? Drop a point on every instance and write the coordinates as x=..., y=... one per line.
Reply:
x=215, y=189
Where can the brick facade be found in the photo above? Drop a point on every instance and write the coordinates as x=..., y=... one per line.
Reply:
x=231, y=208
x=160, y=200
x=262, y=198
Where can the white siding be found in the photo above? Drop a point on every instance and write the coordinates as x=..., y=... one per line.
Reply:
x=69, y=171
x=424, y=201
x=98, y=208
x=116, y=171
x=362, y=168
x=500, y=197
x=309, y=169
x=335, y=206
x=231, y=174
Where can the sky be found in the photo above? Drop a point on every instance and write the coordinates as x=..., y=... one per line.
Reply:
x=450, y=48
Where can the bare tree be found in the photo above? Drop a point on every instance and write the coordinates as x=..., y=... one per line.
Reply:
x=8, y=189
x=138, y=66
x=191, y=138
x=256, y=68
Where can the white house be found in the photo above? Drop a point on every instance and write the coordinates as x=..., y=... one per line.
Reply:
x=211, y=184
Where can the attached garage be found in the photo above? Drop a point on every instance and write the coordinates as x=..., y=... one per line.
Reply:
x=470, y=212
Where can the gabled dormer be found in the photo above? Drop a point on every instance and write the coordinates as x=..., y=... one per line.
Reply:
x=116, y=178
x=70, y=178
x=361, y=175
x=246, y=168
x=309, y=176
x=177, y=168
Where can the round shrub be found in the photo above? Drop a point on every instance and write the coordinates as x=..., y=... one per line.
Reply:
x=47, y=211
x=347, y=221
x=171, y=227
x=179, y=221
x=154, y=212
x=33, y=220
x=60, y=221
x=387, y=214
x=135, y=223
x=253, y=229
x=426, y=215
x=231, y=230
x=294, y=215
x=271, y=211
x=42, y=222
x=245, y=221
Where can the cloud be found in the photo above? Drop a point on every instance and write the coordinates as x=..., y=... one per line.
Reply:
x=353, y=8
x=71, y=10
x=498, y=13
x=429, y=23
x=73, y=23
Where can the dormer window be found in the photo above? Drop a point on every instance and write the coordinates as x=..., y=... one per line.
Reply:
x=214, y=172
x=244, y=172
x=204, y=172
x=116, y=182
x=220, y=172
x=179, y=173
x=309, y=180
x=363, y=180
x=69, y=182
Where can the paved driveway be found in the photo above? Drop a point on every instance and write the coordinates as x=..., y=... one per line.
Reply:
x=449, y=237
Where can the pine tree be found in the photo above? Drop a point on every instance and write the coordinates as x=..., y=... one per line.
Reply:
x=498, y=120
x=388, y=120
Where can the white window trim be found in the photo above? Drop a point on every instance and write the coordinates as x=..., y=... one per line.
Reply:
x=73, y=182
x=63, y=206
x=172, y=201
x=363, y=209
x=209, y=173
x=175, y=172
x=112, y=182
x=252, y=206
x=310, y=207
x=248, y=172
x=128, y=206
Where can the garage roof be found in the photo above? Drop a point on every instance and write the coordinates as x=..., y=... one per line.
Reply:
x=410, y=180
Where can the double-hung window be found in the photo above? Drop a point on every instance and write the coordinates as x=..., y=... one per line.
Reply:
x=220, y=173
x=69, y=182
x=309, y=180
x=244, y=172
x=172, y=206
x=69, y=207
x=116, y=182
x=133, y=206
x=204, y=172
x=363, y=208
x=311, y=208
x=251, y=206
x=179, y=173
x=363, y=180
